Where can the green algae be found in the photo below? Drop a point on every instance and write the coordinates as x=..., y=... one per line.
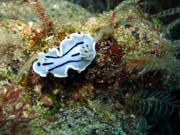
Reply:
x=86, y=103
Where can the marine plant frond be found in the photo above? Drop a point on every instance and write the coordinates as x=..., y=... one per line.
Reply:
x=146, y=64
x=166, y=29
x=176, y=45
x=46, y=23
x=156, y=103
x=169, y=63
x=168, y=12
x=136, y=63
x=145, y=5
x=172, y=48
x=168, y=66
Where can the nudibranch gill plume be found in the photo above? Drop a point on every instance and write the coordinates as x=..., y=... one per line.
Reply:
x=76, y=52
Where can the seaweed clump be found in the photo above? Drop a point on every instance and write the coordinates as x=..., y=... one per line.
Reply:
x=17, y=116
x=133, y=79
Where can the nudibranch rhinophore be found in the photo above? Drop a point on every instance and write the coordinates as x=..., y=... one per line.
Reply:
x=76, y=52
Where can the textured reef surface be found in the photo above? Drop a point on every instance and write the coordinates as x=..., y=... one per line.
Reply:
x=131, y=87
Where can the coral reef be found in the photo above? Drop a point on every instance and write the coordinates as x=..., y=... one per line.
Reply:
x=128, y=89
x=17, y=115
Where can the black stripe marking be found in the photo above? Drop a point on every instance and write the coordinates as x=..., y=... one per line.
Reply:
x=39, y=64
x=63, y=64
x=76, y=54
x=44, y=64
x=56, y=57
x=73, y=47
x=53, y=57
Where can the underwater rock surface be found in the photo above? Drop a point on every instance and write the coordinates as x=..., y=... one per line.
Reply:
x=129, y=87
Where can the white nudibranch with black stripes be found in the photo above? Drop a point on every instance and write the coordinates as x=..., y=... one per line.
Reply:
x=76, y=52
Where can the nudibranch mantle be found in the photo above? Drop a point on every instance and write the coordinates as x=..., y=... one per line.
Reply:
x=76, y=52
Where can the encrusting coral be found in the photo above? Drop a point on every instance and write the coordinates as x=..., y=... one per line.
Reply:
x=109, y=96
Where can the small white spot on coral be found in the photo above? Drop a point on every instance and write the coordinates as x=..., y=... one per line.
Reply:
x=55, y=6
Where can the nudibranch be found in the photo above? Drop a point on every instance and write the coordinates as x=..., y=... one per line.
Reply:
x=76, y=52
